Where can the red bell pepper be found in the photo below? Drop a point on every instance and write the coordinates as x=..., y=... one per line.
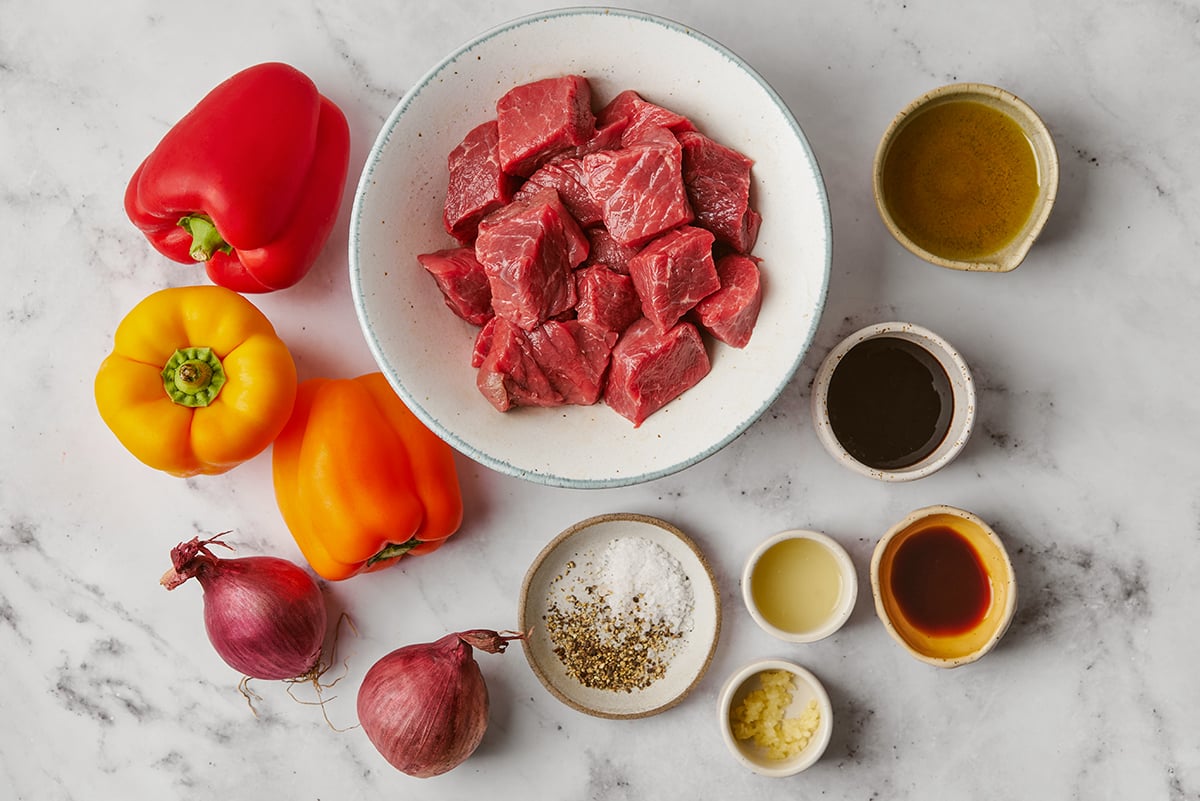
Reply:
x=249, y=181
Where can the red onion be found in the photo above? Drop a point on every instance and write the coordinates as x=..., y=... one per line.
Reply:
x=425, y=707
x=264, y=615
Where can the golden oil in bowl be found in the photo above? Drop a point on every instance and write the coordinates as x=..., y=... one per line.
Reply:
x=965, y=177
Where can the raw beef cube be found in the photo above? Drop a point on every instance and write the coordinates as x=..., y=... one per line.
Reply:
x=640, y=115
x=729, y=314
x=528, y=250
x=650, y=368
x=718, y=186
x=640, y=187
x=463, y=282
x=608, y=251
x=477, y=185
x=509, y=375
x=674, y=273
x=608, y=300
x=565, y=176
x=574, y=357
x=542, y=119
x=606, y=137
x=483, y=342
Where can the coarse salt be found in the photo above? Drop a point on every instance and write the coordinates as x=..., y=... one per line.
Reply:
x=641, y=579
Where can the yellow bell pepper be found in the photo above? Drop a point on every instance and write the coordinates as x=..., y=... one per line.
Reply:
x=359, y=480
x=197, y=383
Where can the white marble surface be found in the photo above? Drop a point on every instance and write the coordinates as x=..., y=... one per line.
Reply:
x=1084, y=460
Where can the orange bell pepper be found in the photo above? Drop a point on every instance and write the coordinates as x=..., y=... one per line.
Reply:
x=359, y=480
x=197, y=382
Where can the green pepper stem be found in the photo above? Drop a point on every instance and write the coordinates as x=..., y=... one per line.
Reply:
x=206, y=240
x=393, y=549
x=193, y=376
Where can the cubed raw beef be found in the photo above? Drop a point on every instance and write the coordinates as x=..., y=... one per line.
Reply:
x=606, y=137
x=463, y=282
x=673, y=273
x=608, y=300
x=541, y=119
x=640, y=187
x=729, y=314
x=640, y=115
x=718, y=187
x=608, y=251
x=574, y=357
x=483, y=342
x=528, y=249
x=650, y=368
x=477, y=185
x=565, y=176
x=509, y=374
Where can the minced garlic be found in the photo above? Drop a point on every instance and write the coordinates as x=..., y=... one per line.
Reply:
x=760, y=717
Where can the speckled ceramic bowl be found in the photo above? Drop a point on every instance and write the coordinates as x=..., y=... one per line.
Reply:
x=807, y=688
x=962, y=385
x=960, y=648
x=425, y=351
x=1010, y=256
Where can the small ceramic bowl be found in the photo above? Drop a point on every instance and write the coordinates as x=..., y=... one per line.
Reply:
x=806, y=688
x=962, y=387
x=946, y=650
x=1013, y=253
x=765, y=578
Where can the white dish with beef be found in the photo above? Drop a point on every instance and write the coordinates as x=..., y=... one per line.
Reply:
x=578, y=421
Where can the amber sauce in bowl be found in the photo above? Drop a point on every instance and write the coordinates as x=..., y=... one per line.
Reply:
x=943, y=584
x=965, y=177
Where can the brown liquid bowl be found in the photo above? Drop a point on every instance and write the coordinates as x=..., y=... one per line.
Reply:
x=946, y=651
x=1011, y=255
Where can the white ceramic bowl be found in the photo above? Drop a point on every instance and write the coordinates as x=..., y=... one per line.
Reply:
x=845, y=601
x=962, y=386
x=424, y=350
x=807, y=687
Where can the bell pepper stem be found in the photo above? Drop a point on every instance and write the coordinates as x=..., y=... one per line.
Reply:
x=393, y=549
x=206, y=240
x=193, y=376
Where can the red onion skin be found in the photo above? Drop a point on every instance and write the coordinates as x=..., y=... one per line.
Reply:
x=425, y=706
x=265, y=616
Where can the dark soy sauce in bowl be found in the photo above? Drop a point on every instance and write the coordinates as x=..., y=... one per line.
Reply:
x=890, y=403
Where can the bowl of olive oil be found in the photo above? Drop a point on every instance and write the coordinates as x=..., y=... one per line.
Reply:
x=965, y=177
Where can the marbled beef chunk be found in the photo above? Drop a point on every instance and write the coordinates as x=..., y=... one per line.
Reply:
x=477, y=185
x=608, y=300
x=718, y=187
x=729, y=314
x=564, y=176
x=463, y=282
x=638, y=115
x=528, y=250
x=639, y=187
x=673, y=273
x=539, y=120
x=608, y=251
x=509, y=374
x=650, y=368
x=574, y=357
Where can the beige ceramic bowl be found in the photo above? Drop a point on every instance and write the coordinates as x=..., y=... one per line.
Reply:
x=1012, y=254
x=946, y=651
x=842, y=608
x=962, y=386
x=807, y=687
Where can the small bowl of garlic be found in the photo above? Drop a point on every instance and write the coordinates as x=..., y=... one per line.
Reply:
x=775, y=717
